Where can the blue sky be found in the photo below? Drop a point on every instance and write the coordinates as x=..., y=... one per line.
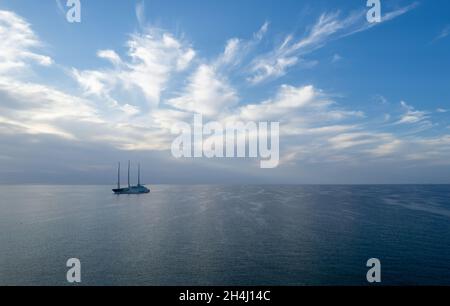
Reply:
x=357, y=102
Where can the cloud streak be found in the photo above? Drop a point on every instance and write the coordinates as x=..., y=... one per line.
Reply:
x=329, y=26
x=443, y=34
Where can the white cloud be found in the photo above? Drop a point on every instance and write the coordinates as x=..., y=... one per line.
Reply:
x=398, y=12
x=111, y=56
x=236, y=50
x=140, y=13
x=300, y=106
x=17, y=44
x=412, y=115
x=433, y=150
x=287, y=100
x=207, y=93
x=38, y=109
x=380, y=99
x=153, y=57
x=231, y=51
x=275, y=68
x=336, y=58
x=443, y=34
x=35, y=109
x=29, y=107
x=262, y=31
x=388, y=148
x=94, y=82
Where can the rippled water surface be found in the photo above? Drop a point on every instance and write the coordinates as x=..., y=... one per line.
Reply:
x=225, y=235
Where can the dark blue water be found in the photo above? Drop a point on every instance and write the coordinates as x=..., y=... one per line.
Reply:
x=225, y=235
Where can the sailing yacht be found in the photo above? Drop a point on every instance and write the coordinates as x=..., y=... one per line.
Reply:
x=138, y=189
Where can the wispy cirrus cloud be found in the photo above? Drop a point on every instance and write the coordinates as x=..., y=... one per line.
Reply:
x=411, y=115
x=329, y=26
x=445, y=32
x=237, y=49
x=140, y=13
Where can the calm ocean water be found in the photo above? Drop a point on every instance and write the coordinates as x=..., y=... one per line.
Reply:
x=225, y=235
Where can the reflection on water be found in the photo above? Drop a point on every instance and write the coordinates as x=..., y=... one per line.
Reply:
x=225, y=235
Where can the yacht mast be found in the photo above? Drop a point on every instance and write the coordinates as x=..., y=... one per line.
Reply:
x=139, y=174
x=118, y=177
x=128, y=174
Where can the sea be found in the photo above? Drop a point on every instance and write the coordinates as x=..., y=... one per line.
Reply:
x=226, y=235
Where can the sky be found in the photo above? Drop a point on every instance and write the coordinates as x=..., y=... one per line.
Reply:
x=357, y=102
